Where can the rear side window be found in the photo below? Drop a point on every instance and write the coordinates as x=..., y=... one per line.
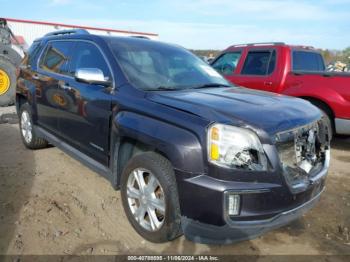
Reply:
x=56, y=57
x=87, y=55
x=259, y=63
x=227, y=63
x=307, y=61
x=33, y=52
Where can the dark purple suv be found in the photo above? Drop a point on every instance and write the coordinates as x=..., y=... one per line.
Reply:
x=191, y=153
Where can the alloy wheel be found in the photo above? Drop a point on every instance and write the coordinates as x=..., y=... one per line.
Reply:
x=26, y=127
x=146, y=199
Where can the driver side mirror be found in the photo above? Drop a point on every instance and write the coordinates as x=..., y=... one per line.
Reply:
x=92, y=76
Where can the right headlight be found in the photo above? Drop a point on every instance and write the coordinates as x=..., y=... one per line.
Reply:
x=235, y=147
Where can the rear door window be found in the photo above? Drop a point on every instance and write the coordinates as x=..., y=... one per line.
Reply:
x=307, y=61
x=227, y=63
x=56, y=57
x=259, y=63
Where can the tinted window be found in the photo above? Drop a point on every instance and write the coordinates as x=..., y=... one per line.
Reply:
x=227, y=63
x=150, y=65
x=33, y=52
x=56, y=56
x=259, y=63
x=87, y=55
x=272, y=62
x=307, y=61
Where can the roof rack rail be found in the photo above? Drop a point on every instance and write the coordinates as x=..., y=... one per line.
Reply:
x=140, y=36
x=258, y=44
x=68, y=32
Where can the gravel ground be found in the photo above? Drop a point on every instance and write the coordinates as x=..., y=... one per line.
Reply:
x=51, y=204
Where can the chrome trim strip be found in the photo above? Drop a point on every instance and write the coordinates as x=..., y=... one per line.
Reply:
x=248, y=191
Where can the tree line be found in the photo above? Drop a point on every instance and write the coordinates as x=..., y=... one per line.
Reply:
x=332, y=56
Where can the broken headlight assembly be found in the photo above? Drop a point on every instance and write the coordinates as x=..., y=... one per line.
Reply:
x=235, y=147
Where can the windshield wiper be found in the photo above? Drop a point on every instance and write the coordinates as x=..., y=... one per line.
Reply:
x=210, y=85
x=168, y=88
x=162, y=88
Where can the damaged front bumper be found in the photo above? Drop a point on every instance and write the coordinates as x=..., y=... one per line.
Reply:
x=243, y=230
x=267, y=200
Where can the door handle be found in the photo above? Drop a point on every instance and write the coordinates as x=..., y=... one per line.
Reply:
x=268, y=83
x=65, y=86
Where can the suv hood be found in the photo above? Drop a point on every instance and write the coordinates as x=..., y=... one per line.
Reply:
x=241, y=106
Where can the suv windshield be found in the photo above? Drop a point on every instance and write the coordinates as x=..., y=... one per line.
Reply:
x=151, y=65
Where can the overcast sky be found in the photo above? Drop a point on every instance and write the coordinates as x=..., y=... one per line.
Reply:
x=202, y=24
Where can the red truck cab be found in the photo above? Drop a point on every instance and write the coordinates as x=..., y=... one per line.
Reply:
x=290, y=70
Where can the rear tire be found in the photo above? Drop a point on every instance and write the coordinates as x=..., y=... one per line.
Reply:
x=7, y=82
x=28, y=135
x=329, y=124
x=167, y=209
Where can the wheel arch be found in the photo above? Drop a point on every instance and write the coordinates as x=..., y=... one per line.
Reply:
x=20, y=100
x=325, y=107
x=319, y=102
x=183, y=151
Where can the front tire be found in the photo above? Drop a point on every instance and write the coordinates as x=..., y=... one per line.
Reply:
x=28, y=135
x=150, y=198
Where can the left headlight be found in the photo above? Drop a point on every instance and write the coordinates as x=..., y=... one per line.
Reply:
x=235, y=147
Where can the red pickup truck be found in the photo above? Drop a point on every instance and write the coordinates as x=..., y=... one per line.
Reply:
x=291, y=70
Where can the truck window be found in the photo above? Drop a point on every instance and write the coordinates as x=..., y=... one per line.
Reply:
x=227, y=63
x=87, y=55
x=56, y=56
x=259, y=63
x=307, y=61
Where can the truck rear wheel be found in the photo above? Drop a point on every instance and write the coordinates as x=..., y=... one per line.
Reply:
x=7, y=82
x=150, y=197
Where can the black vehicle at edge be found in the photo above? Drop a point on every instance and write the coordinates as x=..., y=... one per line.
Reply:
x=191, y=154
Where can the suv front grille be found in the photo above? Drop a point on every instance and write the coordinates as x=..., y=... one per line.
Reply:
x=304, y=154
